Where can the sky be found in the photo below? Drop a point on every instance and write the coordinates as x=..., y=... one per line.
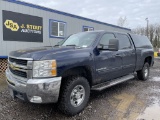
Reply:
x=109, y=11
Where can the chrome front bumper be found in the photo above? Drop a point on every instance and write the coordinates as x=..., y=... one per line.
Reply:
x=35, y=90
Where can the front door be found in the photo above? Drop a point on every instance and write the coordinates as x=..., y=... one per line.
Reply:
x=108, y=63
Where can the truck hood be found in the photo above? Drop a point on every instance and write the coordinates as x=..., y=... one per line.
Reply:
x=38, y=53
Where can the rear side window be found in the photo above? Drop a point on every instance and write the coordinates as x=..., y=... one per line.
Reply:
x=105, y=38
x=124, y=42
x=141, y=41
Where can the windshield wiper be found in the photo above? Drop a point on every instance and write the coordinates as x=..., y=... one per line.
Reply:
x=71, y=45
x=74, y=46
x=56, y=45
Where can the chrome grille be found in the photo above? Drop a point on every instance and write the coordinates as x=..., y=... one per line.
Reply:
x=18, y=73
x=18, y=67
x=18, y=61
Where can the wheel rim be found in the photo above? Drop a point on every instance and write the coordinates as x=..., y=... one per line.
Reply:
x=146, y=72
x=77, y=95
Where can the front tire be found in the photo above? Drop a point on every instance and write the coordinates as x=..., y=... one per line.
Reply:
x=144, y=73
x=74, y=95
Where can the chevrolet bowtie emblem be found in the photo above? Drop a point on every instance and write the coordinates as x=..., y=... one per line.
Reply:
x=13, y=67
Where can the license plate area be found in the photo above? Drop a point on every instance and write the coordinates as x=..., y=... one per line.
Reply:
x=15, y=94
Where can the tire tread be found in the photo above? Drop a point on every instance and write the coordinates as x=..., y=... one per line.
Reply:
x=140, y=74
x=62, y=105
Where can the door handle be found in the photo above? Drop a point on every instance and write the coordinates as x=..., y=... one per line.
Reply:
x=133, y=52
x=118, y=55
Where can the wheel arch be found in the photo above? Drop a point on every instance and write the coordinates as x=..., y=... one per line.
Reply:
x=85, y=71
x=149, y=60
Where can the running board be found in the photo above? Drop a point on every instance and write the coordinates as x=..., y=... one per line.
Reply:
x=108, y=84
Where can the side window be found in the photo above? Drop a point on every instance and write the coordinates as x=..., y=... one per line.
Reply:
x=57, y=28
x=105, y=38
x=124, y=42
x=140, y=41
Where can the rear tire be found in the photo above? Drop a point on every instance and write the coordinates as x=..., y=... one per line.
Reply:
x=144, y=73
x=74, y=95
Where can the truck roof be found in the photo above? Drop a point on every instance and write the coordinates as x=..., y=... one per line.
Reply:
x=103, y=31
x=139, y=40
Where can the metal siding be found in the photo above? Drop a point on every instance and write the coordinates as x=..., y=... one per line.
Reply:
x=1, y=37
x=62, y=13
x=74, y=25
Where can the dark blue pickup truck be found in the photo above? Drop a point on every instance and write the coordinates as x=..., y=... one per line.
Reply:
x=67, y=72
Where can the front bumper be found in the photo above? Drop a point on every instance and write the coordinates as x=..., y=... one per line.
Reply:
x=34, y=90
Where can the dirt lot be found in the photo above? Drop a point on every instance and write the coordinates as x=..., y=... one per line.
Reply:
x=132, y=100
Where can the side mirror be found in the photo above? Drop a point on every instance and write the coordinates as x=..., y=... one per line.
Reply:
x=113, y=45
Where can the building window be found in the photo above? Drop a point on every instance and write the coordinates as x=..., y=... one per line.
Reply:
x=57, y=28
x=87, y=28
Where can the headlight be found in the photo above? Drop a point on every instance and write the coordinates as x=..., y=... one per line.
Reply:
x=46, y=68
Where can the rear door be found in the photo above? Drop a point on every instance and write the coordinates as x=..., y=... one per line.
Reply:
x=128, y=53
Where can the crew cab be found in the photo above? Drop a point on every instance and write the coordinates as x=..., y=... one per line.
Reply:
x=85, y=61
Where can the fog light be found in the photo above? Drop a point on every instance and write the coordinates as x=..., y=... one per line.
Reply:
x=36, y=99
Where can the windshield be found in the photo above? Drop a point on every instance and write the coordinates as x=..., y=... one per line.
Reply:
x=84, y=39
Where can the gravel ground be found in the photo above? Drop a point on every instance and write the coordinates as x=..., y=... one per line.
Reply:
x=127, y=101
